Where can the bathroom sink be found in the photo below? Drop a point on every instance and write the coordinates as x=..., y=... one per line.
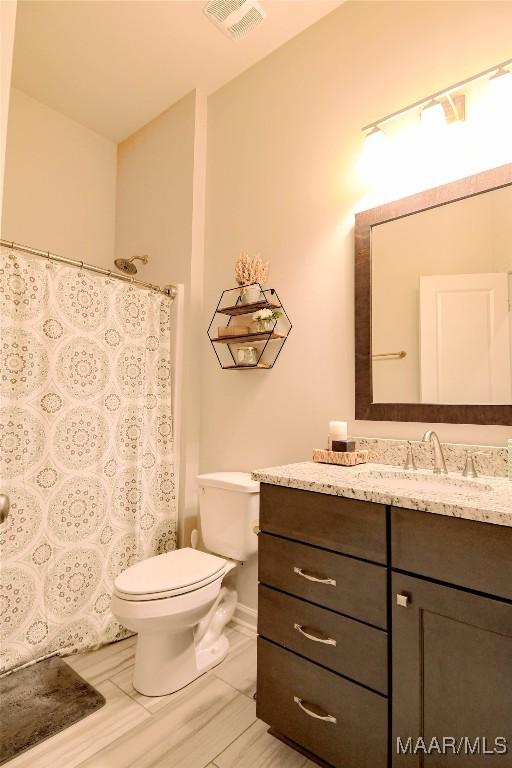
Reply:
x=403, y=480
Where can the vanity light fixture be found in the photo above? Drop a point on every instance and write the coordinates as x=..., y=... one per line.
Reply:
x=439, y=112
x=450, y=99
x=374, y=139
x=500, y=84
x=454, y=107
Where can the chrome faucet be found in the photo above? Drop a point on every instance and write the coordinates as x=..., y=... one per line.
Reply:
x=439, y=463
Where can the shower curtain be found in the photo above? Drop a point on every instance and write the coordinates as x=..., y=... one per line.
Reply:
x=86, y=450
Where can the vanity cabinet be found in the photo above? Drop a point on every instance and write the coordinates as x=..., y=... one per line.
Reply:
x=382, y=623
x=322, y=623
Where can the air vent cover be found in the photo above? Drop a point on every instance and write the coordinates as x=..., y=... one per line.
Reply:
x=236, y=18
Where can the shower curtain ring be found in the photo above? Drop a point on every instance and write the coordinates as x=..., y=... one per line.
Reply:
x=81, y=266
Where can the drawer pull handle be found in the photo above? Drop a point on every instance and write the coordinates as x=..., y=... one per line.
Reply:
x=311, y=577
x=326, y=718
x=324, y=640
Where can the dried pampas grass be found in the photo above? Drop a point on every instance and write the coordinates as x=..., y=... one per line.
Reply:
x=250, y=269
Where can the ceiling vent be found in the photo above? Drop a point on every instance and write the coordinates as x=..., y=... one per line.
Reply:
x=236, y=18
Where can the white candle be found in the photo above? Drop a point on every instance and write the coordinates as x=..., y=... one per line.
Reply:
x=338, y=430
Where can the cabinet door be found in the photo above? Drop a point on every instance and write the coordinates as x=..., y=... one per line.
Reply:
x=452, y=676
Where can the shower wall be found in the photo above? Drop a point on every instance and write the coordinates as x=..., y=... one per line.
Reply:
x=60, y=183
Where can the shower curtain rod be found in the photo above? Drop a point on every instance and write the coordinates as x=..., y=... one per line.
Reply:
x=168, y=290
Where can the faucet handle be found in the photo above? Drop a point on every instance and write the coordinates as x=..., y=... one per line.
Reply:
x=470, y=466
x=410, y=462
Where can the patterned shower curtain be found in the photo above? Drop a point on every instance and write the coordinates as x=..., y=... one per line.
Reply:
x=86, y=450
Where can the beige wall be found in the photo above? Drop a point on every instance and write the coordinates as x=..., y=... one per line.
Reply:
x=60, y=184
x=154, y=194
x=7, y=27
x=469, y=236
x=283, y=142
x=160, y=211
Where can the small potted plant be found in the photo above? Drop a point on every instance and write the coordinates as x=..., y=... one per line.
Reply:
x=251, y=273
x=264, y=319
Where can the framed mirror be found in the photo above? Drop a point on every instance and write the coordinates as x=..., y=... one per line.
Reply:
x=433, y=301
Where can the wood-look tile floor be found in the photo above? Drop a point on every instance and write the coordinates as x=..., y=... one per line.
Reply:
x=209, y=724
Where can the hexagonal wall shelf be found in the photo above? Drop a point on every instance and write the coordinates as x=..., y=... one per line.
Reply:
x=244, y=343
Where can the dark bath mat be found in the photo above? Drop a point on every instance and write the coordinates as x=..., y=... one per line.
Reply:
x=39, y=701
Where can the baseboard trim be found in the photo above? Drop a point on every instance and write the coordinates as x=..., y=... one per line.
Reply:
x=246, y=617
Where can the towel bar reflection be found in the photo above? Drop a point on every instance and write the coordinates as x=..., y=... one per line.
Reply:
x=390, y=356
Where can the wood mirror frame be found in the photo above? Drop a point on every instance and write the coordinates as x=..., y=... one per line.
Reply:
x=420, y=412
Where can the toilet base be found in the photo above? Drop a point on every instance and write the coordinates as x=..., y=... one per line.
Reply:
x=207, y=658
x=166, y=664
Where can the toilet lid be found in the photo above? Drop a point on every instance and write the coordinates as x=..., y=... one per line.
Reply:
x=170, y=572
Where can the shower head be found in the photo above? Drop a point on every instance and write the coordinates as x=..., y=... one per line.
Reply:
x=127, y=266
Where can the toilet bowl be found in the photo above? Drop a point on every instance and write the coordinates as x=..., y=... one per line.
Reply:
x=179, y=602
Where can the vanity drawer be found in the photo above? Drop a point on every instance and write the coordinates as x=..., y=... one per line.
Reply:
x=333, y=581
x=355, y=736
x=356, y=528
x=462, y=552
x=341, y=644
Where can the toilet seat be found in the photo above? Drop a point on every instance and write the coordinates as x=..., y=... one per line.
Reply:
x=173, y=573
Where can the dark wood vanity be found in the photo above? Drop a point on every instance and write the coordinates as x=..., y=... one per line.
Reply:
x=377, y=623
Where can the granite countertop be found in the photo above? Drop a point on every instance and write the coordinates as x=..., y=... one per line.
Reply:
x=484, y=499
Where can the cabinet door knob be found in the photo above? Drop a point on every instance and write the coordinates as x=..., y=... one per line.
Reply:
x=402, y=600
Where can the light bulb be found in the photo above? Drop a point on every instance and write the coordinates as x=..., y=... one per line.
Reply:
x=498, y=114
x=500, y=85
x=432, y=116
x=372, y=164
x=375, y=140
x=500, y=98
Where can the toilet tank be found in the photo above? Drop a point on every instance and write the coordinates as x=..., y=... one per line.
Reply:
x=229, y=513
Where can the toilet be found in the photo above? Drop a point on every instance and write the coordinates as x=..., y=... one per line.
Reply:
x=180, y=602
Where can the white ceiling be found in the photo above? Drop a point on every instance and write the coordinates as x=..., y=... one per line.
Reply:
x=113, y=65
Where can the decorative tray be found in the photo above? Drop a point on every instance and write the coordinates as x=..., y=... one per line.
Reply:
x=344, y=459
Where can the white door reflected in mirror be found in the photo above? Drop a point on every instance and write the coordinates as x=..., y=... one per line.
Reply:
x=465, y=339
